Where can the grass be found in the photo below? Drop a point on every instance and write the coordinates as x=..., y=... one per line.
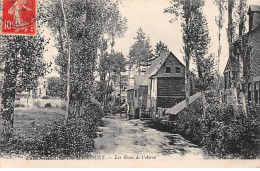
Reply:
x=28, y=120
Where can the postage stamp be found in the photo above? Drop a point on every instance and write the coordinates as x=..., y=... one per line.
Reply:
x=18, y=17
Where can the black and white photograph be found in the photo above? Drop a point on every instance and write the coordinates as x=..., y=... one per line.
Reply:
x=129, y=83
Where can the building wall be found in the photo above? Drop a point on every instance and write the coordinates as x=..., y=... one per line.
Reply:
x=252, y=87
x=168, y=89
x=130, y=101
x=254, y=41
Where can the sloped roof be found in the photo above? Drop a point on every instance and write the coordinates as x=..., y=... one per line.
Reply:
x=254, y=8
x=158, y=62
x=141, y=79
x=182, y=105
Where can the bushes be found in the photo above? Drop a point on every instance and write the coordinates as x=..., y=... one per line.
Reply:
x=45, y=97
x=57, y=140
x=232, y=135
x=19, y=105
x=222, y=133
x=47, y=105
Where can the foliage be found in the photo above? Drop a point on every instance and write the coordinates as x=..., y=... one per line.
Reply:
x=206, y=67
x=140, y=52
x=55, y=87
x=189, y=122
x=94, y=19
x=232, y=135
x=19, y=105
x=222, y=133
x=45, y=97
x=23, y=65
x=47, y=105
x=184, y=10
x=56, y=140
x=160, y=46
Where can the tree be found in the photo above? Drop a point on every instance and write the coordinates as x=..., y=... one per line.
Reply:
x=119, y=63
x=86, y=26
x=200, y=41
x=240, y=83
x=55, y=87
x=221, y=4
x=160, y=46
x=231, y=34
x=184, y=9
x=23, y=65
x=140, y=52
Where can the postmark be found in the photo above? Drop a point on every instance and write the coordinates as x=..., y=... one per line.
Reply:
x=18, y=17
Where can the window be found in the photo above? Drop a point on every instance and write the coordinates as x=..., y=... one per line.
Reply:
x=168, y=69
x=178, y=70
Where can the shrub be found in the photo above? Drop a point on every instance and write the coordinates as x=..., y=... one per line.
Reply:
x=222, y=132
x=19, y=105
x=136, y=112
x=37, y=104
x=48, y=105
x=232, y=135
x=45, y=97
x=73, y=140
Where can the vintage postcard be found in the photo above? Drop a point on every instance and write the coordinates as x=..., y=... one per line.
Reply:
x=130, y=83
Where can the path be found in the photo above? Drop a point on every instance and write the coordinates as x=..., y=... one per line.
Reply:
x=120, y=136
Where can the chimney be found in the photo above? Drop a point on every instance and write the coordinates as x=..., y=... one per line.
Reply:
x=254, y=16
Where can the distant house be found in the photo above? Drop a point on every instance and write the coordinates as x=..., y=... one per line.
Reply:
x=251, y=60
x=140, y=94
x=166, y=85
x=123, y=82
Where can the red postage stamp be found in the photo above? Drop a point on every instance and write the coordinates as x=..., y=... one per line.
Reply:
x=19, y=17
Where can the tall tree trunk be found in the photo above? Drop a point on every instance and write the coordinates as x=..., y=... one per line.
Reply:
x=8, y=99
x=203, y=96
x=27, y=99
x=241, y=65
x=120, y=93
x=187, y=85
x=204, y=102
x=68, y=67
x=230, y=33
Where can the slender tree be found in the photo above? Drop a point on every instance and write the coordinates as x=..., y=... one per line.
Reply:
x=23, y=65
x=231, y=34
x=184, y=10
x=221, y=4
x=200, y=42
x=94, y=20
x=240, y=83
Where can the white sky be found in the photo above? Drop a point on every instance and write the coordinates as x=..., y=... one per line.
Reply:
x=148, y=14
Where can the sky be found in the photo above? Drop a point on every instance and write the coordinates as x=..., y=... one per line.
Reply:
x=148, y=14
